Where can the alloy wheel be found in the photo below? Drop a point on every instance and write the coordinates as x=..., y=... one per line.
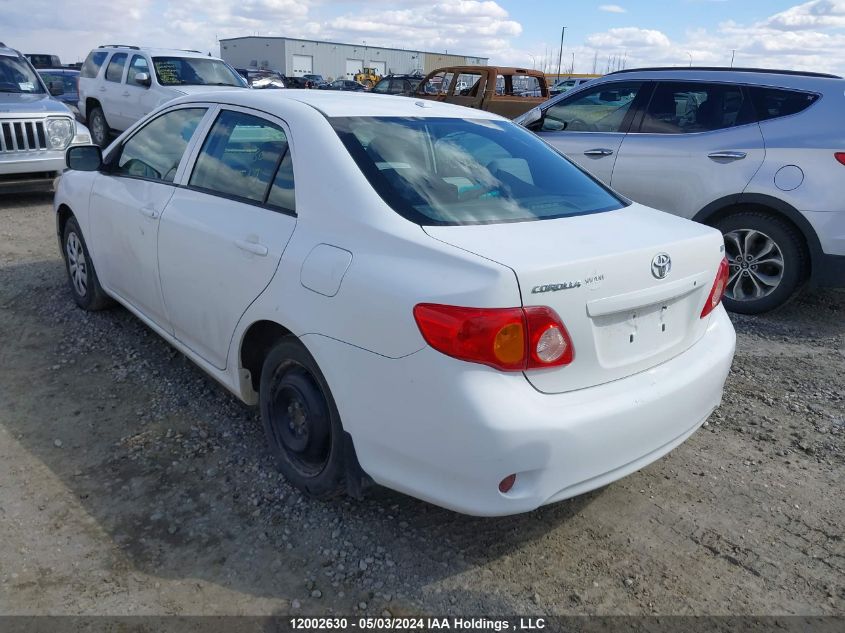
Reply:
x=756, y=264
x=98, y=129
x=77, y=264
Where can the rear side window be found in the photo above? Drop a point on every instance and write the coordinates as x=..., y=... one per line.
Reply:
x=240, y=158
x=114, y=71
x=685, y=108
x=468, y=85
x=442, y=171
x=772, y=103
x=520, y=86
x=93, y=63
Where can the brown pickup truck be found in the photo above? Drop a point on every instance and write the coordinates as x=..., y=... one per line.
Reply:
x=505, y=91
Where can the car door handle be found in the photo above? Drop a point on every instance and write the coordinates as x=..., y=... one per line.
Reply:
x=149, y=212
x=601, y=151
x=102, y=88
x=252, y=247
x=727, y=155
x=126, y=93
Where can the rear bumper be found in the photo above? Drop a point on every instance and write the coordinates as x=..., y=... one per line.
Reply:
x=448, y=432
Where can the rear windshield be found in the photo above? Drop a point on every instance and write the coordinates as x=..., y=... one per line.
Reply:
x=93, y=63
x=468, y=171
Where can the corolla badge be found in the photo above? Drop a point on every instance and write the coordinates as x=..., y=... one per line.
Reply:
x=567, y=285
x=661, y=265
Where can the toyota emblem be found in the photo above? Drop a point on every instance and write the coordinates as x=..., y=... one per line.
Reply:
x=661, y=265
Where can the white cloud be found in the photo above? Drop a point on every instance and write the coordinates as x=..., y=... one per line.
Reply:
x=612, y=8
x=629, y=37
x=809, y=36
x=817, y=14
x=477, y=27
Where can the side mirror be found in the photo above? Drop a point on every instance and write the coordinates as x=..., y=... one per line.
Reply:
x=84, y=158
x=57, y=88
x=531, y=119
x=142, y=79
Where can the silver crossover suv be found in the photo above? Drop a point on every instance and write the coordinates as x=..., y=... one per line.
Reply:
x=759, y=154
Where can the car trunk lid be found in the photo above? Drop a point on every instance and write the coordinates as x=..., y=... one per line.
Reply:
x=601, y=273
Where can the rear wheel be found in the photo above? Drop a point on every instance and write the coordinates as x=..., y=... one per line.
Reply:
x=301, y=421
x=98, y=126
x=767, y=261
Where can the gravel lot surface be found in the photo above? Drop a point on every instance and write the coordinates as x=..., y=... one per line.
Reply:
x=132, y=484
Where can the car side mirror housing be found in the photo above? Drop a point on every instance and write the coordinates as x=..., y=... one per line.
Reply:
x=84, y=158
x=57, y=88
x=532, y=119
x=143, y=79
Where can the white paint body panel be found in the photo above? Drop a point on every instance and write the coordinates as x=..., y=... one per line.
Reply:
x=423, y=423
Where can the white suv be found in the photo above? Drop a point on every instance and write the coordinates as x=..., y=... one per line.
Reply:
x=120, y=84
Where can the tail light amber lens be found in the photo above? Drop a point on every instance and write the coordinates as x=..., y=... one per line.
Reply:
x=509, y=339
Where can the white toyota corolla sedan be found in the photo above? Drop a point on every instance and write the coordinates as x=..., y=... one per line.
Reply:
x=417, y=294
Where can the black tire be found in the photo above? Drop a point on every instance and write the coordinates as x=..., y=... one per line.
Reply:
x=98, y=126
x=81, y=275
x=792, y=269
x=301, y=421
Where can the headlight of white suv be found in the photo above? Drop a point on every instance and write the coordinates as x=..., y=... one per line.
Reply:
x=59, y=133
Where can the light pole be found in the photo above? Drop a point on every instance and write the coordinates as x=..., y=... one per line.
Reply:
x=690, y=59
x=533, y=61
x=560, y=54
x=733, y=54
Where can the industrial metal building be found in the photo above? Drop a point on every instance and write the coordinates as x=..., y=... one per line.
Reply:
x=295, y=57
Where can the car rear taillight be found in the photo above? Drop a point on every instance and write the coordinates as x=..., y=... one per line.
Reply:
x=718, y=290
x=509, y=339
x=840, y=156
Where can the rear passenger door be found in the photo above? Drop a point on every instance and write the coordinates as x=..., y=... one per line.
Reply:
x=589, y=125
x=694, y=143
x=223, y=232
x=110, y=92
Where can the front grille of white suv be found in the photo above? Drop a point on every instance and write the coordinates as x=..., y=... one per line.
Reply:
x=22, y=136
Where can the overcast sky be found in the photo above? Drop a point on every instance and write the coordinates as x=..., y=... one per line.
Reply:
x=767, y=33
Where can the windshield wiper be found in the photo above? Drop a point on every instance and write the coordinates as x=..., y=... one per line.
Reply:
x=15, y=90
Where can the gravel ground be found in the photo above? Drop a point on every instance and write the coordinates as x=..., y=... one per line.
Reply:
x=132, y=484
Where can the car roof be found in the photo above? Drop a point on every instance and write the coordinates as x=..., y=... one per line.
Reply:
x=341, y=104
x=499, y=70
x=8, y=51
x=756, y=76
x=167, y=52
